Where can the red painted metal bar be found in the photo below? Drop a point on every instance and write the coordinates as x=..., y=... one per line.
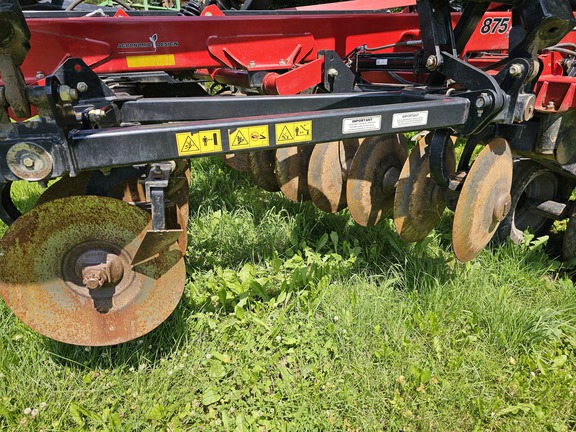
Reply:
x=224, y=48
x=130, y=44
x=357, y=5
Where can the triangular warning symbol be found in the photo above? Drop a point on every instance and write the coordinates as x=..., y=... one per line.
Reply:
x=239, y=139
x=189, y=145
x=285, y=135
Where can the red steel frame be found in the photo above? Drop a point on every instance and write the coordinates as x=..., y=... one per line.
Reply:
x=224, y=48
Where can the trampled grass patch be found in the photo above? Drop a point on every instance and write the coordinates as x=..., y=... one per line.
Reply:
x=292, y=319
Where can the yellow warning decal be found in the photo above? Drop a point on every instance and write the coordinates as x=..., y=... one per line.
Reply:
x=295, y=132
x=150, y=60
x=190, y=144
x=248, y=137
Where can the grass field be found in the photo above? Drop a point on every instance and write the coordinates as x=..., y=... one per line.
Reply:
x=297, y=320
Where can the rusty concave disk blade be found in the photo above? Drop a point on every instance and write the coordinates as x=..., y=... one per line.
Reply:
x=419, y=201
x=484, y=200
x=327, y=174
x=292, y=172
x=65, y=187
x=131, y=189
x=66, y=272
x=237, y=161
x=372, y=178
x=261, y=168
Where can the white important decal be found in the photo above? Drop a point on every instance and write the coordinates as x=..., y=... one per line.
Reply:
x=409, y=119
x=361, y=124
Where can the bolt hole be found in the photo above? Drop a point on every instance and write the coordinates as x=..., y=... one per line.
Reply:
x=77, y=67
x=552, y=30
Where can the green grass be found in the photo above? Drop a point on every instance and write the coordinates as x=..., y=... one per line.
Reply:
x=297, y=320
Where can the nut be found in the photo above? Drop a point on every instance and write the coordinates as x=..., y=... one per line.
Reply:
x=67, y=94
x=98, y=268
x=431, y=62
x=94, y=278
x=82, y=87
x=482, y=101
x=516, y=70
x=28, y=162
x=332, y=72
x=95, y=115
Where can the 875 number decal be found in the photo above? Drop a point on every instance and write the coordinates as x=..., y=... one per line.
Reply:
x=495, y=25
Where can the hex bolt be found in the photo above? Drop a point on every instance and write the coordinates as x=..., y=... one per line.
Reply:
x=431, y=62
x=515, y=70
x=95, y=276
x=96, y=115
x=40, y=75
x=67, y=94
x=481, y=101
x=332, y=72
x=157, y=172
x=28, y=162
x=282, y=62
x=82, y=87
x=64, y=93
x=551, y=105
x=252, y=64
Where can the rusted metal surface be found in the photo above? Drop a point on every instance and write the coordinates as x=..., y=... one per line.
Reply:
x=484, y=200
x=155, y=242
x=262, y=169
x=43, y=255
x=237, y=161
x=372, y=178
x=99, y=268
x=178, y=193
x=328, y=172
x=29, y=161
x=66, y=187
x=132, y=191
x=419, y=201
x=292, y=172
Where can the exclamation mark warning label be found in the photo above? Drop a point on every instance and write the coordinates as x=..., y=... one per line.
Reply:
x=190, y=144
